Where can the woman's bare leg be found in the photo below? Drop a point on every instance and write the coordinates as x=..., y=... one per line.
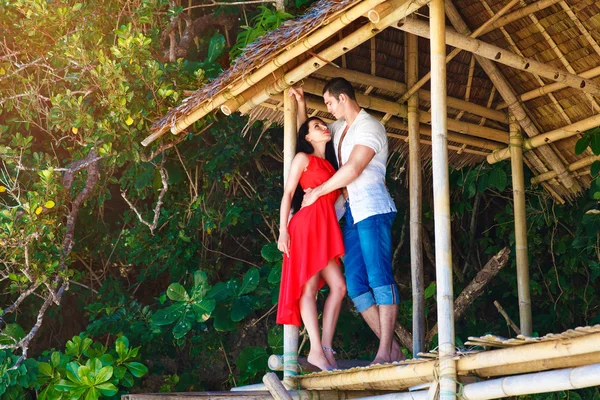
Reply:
x=308, y=311
x=332, y=274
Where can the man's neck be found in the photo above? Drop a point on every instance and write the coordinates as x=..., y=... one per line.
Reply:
x=351, y=113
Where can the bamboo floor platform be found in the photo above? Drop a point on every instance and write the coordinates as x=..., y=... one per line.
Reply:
x=508, y=356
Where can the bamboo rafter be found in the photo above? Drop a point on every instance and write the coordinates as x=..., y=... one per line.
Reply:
x=550, y=88
x=548, y=137
x=400, y=124
x=400, y=88
x=504, y=56
x=389, y=107
x=577, y=165
x=516, y=108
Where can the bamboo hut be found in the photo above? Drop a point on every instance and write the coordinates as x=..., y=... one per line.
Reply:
x=455, y=82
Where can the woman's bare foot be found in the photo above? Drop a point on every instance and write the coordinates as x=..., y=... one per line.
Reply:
x=330, y=355
x=319, y=361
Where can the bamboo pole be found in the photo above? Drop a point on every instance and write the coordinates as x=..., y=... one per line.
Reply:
x=441, y=199
x=230, y=106
x=582, y=163
x=455, y=52
x=314, y=86
x=542, y=382
x=550, y=88
x=518, y=181
x=275, y=387
x=500, y=55
x=516, y=108
x=520, y=13
x=402, y=125
x=400, y=9
x=290, y=332
x=415, y=198
x=548, y=137
x=249, y=80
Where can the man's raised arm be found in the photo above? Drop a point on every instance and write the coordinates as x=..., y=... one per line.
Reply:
x=298, y=93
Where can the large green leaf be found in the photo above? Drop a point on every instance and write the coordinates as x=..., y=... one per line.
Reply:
x=203, y=309
x=45, y=368
x=582, y=144
x=176, y=292
x=219, y=292
x=250, y=282
x=215, y=47
x=595, y=141
x=595, y=168
x=275, y=339
x=222, y=321
x=251, y=359
x=498, y=179
x=104, y=374
x=241, y=307
x=168, y=315
x=271, y=253
x=92, y=394
x=72, y=373
x=274, y=275
x=200, y=278
x=182, y=327
x=137, y=369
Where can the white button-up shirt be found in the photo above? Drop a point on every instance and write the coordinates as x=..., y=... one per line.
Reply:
x=367, y=194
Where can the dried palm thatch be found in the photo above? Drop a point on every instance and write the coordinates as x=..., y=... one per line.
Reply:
x=561, y=34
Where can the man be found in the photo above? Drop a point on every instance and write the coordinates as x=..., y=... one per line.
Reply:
x=361, y=148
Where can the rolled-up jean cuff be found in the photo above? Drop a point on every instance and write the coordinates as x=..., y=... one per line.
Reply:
x=386, y=295
x=363, y=301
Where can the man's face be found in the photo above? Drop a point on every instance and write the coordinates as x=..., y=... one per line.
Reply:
x=334, y=106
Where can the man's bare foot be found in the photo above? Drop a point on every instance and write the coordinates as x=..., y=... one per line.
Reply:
x=319, y=361
x=381, y=359
x=396, y=354
x=330, y=355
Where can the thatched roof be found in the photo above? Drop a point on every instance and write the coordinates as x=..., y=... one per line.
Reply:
x=563, y=35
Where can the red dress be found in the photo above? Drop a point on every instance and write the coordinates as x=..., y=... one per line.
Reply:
x=315, y=239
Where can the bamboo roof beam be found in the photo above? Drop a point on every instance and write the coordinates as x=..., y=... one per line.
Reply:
x=548, y=137
x=401, y=88
x=400, y=124
x=516, y=108
x=469, y=84
x=398, y=10
x=577, y=165
x=520, y=13
x=503, y=56
x=455, y=51
x=389, y=107
x=553, y=87
x=516, y=49
x=312, y=40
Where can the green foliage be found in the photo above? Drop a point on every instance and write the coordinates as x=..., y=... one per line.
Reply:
x=86, y=370
x=265, y=21
x=591, y=139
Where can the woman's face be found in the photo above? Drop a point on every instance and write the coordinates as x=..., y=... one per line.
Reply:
x=318, y=132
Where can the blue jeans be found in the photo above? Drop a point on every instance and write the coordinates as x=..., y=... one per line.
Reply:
x=368, y=260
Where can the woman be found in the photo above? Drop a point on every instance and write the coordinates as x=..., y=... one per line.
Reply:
x=312, y=245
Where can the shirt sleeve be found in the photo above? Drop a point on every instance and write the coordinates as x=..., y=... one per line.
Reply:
x=372, y=134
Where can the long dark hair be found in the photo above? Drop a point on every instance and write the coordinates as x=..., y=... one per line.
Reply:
x=304, y=146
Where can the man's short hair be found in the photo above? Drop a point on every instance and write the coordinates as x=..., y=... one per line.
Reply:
x=337, y=86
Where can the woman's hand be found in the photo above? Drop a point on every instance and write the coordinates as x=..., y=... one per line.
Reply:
x=283, y=244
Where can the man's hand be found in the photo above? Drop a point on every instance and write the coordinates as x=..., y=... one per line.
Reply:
x=297, y=92
x=310, y=196
x=283, y=244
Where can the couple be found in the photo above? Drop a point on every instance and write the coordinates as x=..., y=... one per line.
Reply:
x=312, y=241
